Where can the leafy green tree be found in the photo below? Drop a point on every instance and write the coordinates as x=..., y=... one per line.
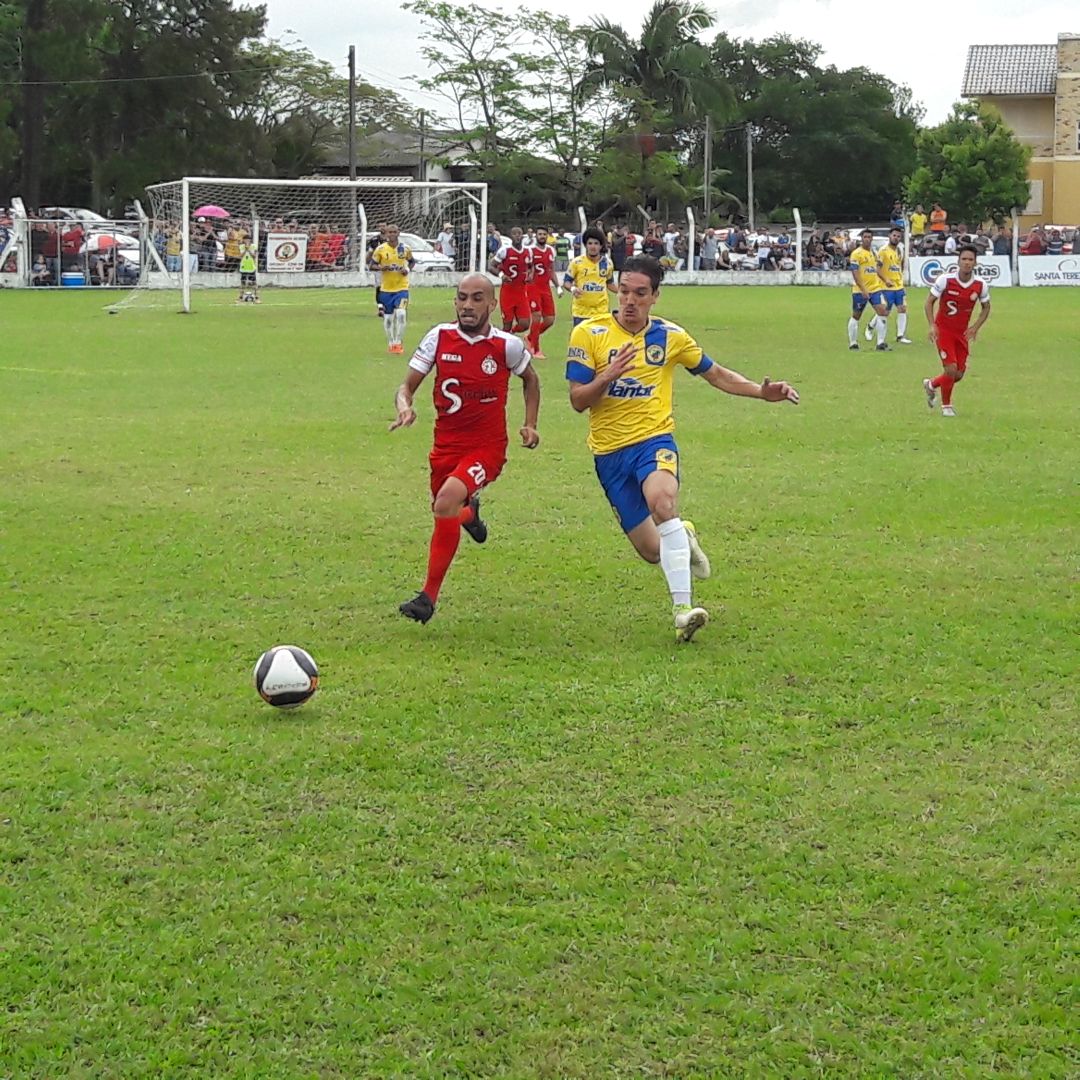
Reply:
x=972, y=164
x=835, y=142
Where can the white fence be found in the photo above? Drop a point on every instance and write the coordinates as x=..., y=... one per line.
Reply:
x=995, y=270
x=1050, y=269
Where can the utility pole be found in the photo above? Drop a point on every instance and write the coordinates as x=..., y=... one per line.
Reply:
x=352, y=112
x=708, y=170
x=750, y=176
x=423, y=172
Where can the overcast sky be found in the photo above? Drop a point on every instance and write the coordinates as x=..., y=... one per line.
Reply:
x=922, y=43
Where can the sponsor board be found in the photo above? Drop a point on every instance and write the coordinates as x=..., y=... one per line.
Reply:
x=286, y=252
x=1049, y=269
x=993, y=269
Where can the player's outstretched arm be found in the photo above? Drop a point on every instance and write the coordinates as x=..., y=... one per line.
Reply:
x=530, y=436
x=731, y=382
x=403, y=400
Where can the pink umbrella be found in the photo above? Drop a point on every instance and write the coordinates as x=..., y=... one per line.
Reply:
x=211, y=211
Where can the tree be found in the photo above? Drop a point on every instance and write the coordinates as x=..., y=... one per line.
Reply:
x=666, y=65
x=837, y=142
x=972, y=164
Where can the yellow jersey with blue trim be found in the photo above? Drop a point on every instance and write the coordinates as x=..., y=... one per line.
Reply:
x=637, y=405
x=592, y=279
x=890, y=264
x=864, y=265
x=395, y=263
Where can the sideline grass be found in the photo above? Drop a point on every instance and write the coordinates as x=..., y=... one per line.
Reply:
x=835, y=837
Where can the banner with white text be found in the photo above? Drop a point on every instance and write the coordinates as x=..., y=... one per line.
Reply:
x=1050, y=269
x=993, y=269
x=286, y=252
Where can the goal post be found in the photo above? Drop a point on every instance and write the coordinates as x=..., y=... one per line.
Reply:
x=309, y=233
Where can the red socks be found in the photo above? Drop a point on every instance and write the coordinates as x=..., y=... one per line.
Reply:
x=444, y=545
x=944, y=383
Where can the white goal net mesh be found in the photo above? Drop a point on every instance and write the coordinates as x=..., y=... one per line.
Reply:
x=308, y=232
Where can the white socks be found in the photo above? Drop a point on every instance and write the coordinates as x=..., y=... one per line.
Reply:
x=399, y=326
x=901, y=324
x=388, y=327
x=853, y=331
x=675, y=559
x=882, y=327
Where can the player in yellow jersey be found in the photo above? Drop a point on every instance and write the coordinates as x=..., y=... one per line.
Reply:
x=890, y=261
x=621, y=368
x=394, y=260
x=866, y=289
x=589, y=277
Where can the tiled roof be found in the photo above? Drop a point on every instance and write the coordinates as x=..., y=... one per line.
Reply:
x=1010, y=69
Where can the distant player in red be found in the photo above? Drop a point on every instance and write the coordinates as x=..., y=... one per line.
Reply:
x=540, y=298
x=473, y=363
x=513, y=263
x=956, y=296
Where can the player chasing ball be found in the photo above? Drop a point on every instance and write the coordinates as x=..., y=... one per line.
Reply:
x=541, y=301
x=590, y=277
x=513, y=263
x=621, y=369
x=866, y=288
x=951, y=330
x=394, y=261
x=473, y=362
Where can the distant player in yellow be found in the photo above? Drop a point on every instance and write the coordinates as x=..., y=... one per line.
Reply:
x=866, y=289
x=589, y=277
x=621, y=369
x=394, y=260
x=890, y=263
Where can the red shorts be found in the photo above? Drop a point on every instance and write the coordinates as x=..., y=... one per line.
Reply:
x=953, y=349
x=543, y=303
x=474, y=468
x=514, y=301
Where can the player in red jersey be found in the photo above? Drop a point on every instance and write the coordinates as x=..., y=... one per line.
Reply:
x=473, y=363
x=956, y=296
x=541, y=301
x=513, y=263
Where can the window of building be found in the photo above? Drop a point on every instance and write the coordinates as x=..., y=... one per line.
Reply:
x=1035, y=197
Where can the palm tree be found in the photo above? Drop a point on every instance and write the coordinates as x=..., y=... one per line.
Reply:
x=666, y=70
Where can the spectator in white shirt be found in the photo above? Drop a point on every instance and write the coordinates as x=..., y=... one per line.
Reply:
x=444, y=242
x=669, y=239
x=950, y=244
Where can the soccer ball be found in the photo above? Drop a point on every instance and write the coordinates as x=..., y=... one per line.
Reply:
x=286, y=676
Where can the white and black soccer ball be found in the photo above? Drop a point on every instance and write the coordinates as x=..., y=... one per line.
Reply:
x=286, y=676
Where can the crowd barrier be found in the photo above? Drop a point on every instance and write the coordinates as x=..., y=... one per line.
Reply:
x=1050, y=270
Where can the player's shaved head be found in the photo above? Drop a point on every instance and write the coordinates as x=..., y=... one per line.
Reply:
x=474, y=302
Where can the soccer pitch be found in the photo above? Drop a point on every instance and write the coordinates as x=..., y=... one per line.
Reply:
x=835, y=836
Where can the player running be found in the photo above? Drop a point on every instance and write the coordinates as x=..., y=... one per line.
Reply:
x=589, y=277
x=955, y=296
x=394, y=260
x=621, y=369
x=866, y=289
x=513, y=263
x=540, y=298
x=890, y=264
x=473, y=362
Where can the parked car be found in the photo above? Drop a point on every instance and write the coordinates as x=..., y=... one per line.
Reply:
x=70, y=213
x=427, y=259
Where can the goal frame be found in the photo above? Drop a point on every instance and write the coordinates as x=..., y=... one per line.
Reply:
x=478, y=214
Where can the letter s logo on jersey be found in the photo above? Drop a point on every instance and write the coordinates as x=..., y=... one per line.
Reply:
x=455, y=401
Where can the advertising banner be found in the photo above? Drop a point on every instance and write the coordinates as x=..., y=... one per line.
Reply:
x=1050, y=269
x=285, y=252
x=993, y=269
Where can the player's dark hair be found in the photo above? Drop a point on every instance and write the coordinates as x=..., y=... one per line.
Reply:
x=967, y=247
x=593, y=233
x=864, y=232
x=644, y=264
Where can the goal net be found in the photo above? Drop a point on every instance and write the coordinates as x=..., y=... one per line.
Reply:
x=307, y=233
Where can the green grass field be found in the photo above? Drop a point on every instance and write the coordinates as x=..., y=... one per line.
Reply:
x=836, y=836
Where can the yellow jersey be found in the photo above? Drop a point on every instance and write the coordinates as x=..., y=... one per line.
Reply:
x=592, y=279
x=864, y=265
x=918, y=224
x=890, y=266
x=394, y=262
x=638, y=405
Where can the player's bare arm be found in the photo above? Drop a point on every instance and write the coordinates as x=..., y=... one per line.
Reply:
x=530, y=436
x=585, y=395
x=928, y=310
x=403, y=400
x=731, y=382
x=972, y=331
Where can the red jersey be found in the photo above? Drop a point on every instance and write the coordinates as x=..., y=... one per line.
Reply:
x=515, y=265
x=957, y=300
x=543, y=268
x=471, y=379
